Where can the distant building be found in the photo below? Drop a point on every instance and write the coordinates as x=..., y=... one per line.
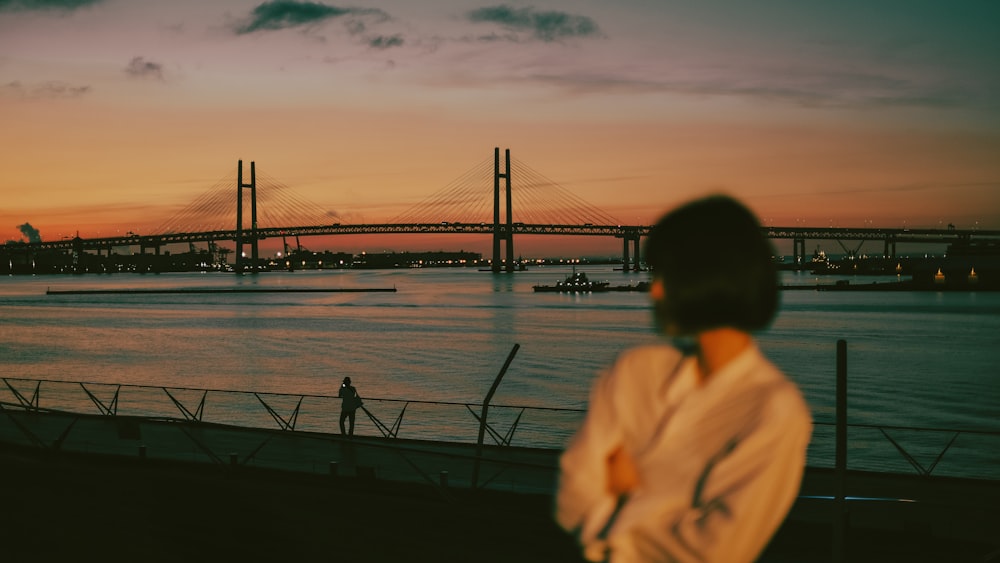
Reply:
x=437, y=259
x=308, y=260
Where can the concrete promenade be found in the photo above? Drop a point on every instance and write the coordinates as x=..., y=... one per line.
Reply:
x=83, y=487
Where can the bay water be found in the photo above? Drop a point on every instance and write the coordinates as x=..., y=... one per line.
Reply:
x=923, y=375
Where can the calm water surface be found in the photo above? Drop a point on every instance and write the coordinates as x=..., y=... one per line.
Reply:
x=917, y=359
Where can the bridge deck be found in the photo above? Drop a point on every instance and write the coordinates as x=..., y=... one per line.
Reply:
x=627, y=232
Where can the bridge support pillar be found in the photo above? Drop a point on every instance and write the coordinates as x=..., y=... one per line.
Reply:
x=505, y=231
x=890, y=247
x=799, y=250
x=77, y=253
x=632, y=235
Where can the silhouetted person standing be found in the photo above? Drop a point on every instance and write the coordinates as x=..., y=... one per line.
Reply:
x=350, y=402
x=692, y=449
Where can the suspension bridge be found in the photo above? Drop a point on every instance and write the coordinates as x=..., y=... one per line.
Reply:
x=482, y=201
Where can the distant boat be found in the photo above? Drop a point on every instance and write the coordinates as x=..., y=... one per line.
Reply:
x=638, y=286
x=577, y=282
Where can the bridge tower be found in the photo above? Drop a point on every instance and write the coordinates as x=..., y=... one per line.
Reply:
x=254, y=254
x=503, y=231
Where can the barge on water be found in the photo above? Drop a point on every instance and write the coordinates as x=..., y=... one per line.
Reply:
x=578, y=282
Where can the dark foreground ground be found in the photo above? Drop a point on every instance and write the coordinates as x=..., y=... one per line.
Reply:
x=69, y=507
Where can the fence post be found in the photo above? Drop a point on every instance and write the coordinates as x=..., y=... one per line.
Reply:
x=486, y=406
x=840, y=520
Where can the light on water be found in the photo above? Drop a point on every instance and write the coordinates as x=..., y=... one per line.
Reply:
x=915, y=359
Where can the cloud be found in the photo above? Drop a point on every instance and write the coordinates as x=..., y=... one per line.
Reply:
x=52, y=89
x=45, y=5
x=806, y=88
x=907, y=188
x=139, y=67
x=30, y=232
x=285, y=14
x=385, y=41
x=546, y=26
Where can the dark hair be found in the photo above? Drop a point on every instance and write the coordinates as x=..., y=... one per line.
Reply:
x=716, y=265
x=347, y=381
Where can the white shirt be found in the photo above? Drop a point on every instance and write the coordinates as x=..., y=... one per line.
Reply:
x=719, y=464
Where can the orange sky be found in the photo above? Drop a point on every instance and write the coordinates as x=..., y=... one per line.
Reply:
x=116, y=115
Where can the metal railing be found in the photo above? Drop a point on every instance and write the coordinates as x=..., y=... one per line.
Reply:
x=446, y=421
x=872, y=447
x=973, y=453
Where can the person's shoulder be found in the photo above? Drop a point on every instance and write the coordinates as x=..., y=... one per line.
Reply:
x=641, y=360
x=636, y=380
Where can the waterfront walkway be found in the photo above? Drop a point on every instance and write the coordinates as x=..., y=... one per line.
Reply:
x=78, y=487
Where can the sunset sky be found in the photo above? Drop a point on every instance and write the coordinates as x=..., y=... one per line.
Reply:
x=116, y=114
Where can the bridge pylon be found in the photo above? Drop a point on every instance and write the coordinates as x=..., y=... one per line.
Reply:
x=254, y=251
x=502, y=231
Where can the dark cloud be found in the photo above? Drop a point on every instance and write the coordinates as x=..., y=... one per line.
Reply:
x=44, y=90
x=139, y=67
x=355, y=26
x=543, y=25
x=794, y=88
x=30, y=232
x=385, y=41
x=906, y=188
x=45, y=5
x=284, y=14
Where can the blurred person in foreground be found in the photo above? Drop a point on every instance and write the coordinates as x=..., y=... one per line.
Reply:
x=691, y=449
